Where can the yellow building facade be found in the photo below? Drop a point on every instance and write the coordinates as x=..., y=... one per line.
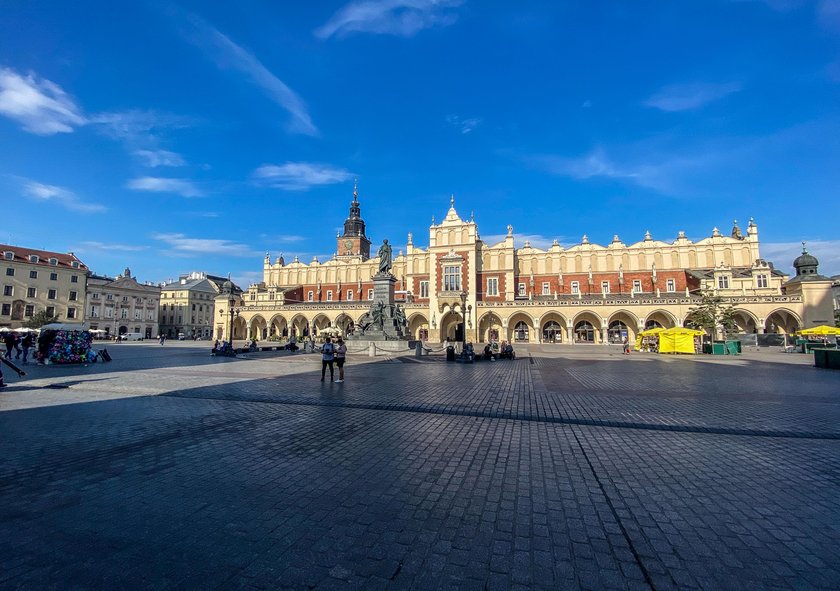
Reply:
x=459, y=286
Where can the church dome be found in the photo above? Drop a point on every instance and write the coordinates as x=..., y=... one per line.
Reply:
x=805, y=260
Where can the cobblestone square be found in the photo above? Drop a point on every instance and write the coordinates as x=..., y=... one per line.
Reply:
x=568, y=468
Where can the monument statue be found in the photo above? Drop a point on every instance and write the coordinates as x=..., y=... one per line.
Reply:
x=377, y=314
x=384, y=257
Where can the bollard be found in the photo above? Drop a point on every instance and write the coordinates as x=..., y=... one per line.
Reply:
x=418, y=349
x=372, y=350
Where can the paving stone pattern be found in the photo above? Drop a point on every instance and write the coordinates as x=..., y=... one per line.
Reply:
x=543, y=473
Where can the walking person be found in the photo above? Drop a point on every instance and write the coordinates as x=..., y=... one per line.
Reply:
x=626, y=345
x=340, y=356
x=25, y=344
x=9, y=340
x=327, y=359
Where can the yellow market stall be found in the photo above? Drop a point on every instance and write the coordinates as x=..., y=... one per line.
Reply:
x=678, y=340
x=645, y=338
x=820, y=331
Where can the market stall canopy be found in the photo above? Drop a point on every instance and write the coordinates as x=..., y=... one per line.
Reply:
x=64, y=326
x=651, y=331
x=821, y=331
x=678, y=339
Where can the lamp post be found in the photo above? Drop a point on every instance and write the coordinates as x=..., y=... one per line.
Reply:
x=465, y=311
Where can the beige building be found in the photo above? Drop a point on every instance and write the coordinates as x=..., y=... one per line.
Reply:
x=122, y=305
x=41, y=281
x=187, y=305
x=586, y=293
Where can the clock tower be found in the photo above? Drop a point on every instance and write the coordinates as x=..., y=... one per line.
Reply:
x=354, y=243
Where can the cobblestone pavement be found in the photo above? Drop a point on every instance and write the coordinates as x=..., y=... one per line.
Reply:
x=578, y=469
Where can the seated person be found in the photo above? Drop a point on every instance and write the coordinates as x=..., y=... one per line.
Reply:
x=488, y=352
x=507, y=351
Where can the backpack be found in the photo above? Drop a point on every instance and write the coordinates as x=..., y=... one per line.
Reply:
x=328, y=349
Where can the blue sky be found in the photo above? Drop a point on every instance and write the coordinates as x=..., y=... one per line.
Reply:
x=198, y=136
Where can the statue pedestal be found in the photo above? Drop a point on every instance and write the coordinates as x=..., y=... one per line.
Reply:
x=383, y=288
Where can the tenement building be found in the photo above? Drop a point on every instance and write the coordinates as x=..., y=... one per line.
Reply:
x=41, y=281
x=187, y=305
x=586, y=293
x=122, y=304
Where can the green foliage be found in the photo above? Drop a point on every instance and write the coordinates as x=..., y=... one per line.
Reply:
x=837, y=318
x=713, y=316
x=39, y=319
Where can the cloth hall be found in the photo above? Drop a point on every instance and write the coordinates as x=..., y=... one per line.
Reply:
x=586, y=293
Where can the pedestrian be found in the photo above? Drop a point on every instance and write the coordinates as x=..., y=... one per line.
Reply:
x=293, y=343
x=162, y=339
x=327, y=359
x=25, y=344
x=9, y=340
x=340, y=357
x=626, y=345
x=17, y=346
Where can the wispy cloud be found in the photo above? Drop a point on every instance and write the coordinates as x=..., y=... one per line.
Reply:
x=465, y=125
x=783, y=253
x=402, y=18
x=91, y=245
x=182, y=245
x=227, y=55
x=155, y=158
x=183, y=187
x=519, y=240
x=300, y=176
x=686, y=97
x=39, y=105
x=594, y=164
x=63, y=197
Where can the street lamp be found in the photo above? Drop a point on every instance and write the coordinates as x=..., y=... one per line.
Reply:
x=227, y=287
x=465, y=314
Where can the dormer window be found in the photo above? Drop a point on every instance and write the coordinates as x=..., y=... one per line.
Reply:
x=33, y=258
x=74, y=264
x=54, y=261
x=9, y=255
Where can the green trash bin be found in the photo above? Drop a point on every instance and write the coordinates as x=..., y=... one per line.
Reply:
x=733, y=347
x=821, y=358
x=707, y=348
x=719, y=348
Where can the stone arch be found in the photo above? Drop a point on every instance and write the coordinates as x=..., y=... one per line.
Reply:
x=258, y=328
x=553, y=327
x=418, y=326
x=586, y=327
x=240, y=329
x=782, y=321
x=521, y=328
x=345, y=323
x=451, y=325
x=490, y=327
x=319, y=323
x=278, y=326
x=746, y=321
x=660, y=319
x=299, y=325
x=620, y=324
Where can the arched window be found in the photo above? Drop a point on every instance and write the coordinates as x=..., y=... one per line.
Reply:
x=520, y=332
x=584, y=332
x=617, y=331
x=552, y=332
x=653, y=324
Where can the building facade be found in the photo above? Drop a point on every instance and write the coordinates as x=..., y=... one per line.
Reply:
x=188, y=304
x=459, y=286
x=122, y=305
x=41, y=281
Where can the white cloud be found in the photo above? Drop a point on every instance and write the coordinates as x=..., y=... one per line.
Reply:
x=155, y=158
x=403, y=18
x=184, y=246
x=782, y=254
x=464, y=125
x=594, y=164
x=183, y=187
x=685, y=97
x=61, y=196
x=519, y=240
x=39, y=105
x=90, y=245
x=300, y=176
x=228, y=55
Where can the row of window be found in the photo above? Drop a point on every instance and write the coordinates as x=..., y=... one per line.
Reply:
x=34, y=258
x=198, y=295
x=10, y=272
x=109, y=313
x=29, y=311
x=32, y=292
x=110, y=297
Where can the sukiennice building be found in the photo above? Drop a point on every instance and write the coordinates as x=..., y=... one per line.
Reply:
x=586, y=293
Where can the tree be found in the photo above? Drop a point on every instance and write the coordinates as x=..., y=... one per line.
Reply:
x=39, y=319
x=712, y=315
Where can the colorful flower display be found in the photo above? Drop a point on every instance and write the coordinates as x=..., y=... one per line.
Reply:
x=71, y=346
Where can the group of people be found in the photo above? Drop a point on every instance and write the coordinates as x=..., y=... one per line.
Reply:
x=494, y=350
x=18, y=345
x=333, y=353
